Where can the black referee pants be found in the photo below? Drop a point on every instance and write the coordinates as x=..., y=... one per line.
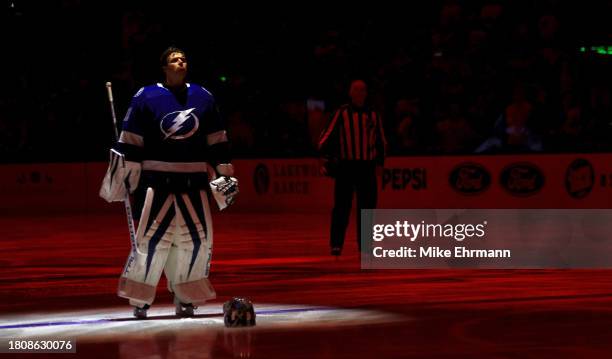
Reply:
x=352, y=177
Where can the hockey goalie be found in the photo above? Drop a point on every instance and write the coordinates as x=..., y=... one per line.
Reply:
x=171, y=135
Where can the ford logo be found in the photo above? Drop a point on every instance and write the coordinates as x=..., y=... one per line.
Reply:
x=579, y=178
x=522, y=179
x=469, y=178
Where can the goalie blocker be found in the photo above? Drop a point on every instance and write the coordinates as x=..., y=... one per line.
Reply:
x=120, y=179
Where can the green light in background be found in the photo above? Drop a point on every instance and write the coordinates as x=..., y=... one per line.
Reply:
x=600, y=50
x=223, y=78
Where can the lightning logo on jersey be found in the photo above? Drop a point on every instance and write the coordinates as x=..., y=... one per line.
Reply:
x=179, y=125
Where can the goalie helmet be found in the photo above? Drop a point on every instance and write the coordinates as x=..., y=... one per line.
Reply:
x=238, y=312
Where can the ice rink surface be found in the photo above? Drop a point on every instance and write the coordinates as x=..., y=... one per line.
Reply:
x=59, y=273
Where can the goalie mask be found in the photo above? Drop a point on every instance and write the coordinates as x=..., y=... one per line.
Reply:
x=238, y=312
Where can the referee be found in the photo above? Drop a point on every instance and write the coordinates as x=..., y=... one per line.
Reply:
x=352, y=147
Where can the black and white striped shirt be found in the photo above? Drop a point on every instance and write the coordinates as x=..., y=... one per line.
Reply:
x=354, y=134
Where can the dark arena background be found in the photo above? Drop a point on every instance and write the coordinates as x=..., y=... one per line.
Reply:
x=452, y=80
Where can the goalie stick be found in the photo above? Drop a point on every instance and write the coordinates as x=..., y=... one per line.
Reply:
x=126, y=202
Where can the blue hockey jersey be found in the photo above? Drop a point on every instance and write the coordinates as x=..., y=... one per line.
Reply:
x=176, y=133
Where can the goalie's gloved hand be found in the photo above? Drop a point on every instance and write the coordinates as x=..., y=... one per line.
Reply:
x=224, y=190
x=121, y=177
